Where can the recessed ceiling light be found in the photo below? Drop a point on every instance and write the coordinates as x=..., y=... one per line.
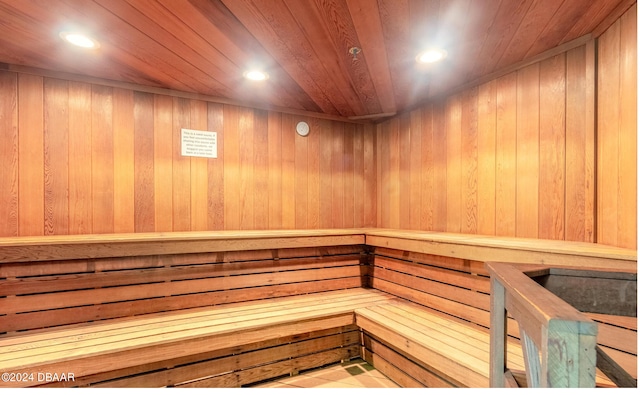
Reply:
x=79, y=40
x=256, y=75
x=431, y=56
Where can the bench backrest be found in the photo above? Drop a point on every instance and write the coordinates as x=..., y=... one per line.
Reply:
x=50, y=293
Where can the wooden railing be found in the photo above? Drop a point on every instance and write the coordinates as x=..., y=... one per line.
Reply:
x=558, y=342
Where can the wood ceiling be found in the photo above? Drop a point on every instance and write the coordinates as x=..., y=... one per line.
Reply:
x=204, y=46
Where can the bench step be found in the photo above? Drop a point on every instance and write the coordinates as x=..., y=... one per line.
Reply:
x=457, y=351
x=116, y=344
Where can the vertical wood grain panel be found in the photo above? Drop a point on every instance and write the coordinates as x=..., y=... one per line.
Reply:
x=97, y=159
x=527, y=151
x=301, y=179
x=427, y=170
x=30, y=155
x=215, y=170
x=143, y=163
x=506, y=94
x=370, y=196
x=415, y=164
x=404, y=190
x=231, y=168
x=326, y=194
x=359, y=195
x=608, y=132
x=124, y=158
x=384, y=133
x=275, y=169
x=441, y=171
x=394, y=173
x=288, y=172
x=628, y=140
x=261, y=170
x=469, y=161
x=313, y=182
x=246, y=138
x=181, y=167
x=552, y=148
x=8, y=154
x=102, y=171
x=199, y=171
x=487, y=158
x=163, y=141
x=56, y=157
x=348, y=179
x=580, y=140
x=337, y=174
x=80, y=152
x=453, y=130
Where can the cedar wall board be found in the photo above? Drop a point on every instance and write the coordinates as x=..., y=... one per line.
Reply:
x=80, y=158
x=523, y=155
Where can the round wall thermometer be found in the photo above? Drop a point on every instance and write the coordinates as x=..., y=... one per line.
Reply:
x=302, y=128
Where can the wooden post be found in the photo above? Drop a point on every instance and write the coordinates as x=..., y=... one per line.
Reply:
x=498, y=344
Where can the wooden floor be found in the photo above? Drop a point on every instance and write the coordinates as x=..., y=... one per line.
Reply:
x=352, y=374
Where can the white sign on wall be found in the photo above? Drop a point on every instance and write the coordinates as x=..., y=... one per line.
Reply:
x=199, y=143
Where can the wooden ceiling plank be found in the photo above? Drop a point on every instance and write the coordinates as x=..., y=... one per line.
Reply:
x=455, y=27
x=478, y=29
x=394, y=15
x=557, y=29
x=150, y=36
x=368, y=26
x=116, y=40
x=217, y=28
x=594, y=14
x=524, y=38
x=509, y=17
x=219, y=16
x=317, y=21
x=612, y=16
x=41, y=47
x=342, y=31
x=290, y=51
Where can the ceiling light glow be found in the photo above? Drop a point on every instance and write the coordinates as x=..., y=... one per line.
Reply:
x=79, y=40
x=431, y=56
x=256, y=75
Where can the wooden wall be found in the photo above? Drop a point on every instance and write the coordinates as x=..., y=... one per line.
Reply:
x=618, y=133
x=78, y=158
x=517, y=156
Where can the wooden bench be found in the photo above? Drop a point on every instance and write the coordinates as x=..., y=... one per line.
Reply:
x=445, y=276
x=417, y=304
x=273, y=302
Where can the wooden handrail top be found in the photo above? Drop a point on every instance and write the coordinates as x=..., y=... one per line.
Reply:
x=541, y=305
x=507, y=249
x=465, y=246
x=45, y=248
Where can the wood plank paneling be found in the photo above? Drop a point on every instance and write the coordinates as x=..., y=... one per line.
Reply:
x=80, y=201
x=617, y=133
x=163, y=163
x=102, y=170
x=516, y=155
x=552, y=149
x=580, y=145
x=9, y=154
x=56, y=156
x=80, y=158
x=30, y=155
x=142, y=156
x=125, y=125
x=487, y=151
x=527, y=151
